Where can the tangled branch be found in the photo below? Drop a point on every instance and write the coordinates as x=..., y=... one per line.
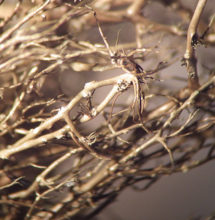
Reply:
x=69, y=151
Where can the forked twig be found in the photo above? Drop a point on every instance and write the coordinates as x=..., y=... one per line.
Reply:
x=53, y=152
x=129, y=66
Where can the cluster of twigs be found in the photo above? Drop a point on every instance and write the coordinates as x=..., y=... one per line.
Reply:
x=53, y=166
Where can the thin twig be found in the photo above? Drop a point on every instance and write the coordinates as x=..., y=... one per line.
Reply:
x=192, y=39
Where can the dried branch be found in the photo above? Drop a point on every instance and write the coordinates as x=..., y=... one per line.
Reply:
x=73, y=136
x=192, y=41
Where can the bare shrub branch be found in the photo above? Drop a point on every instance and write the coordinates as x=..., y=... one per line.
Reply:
x=81, y=119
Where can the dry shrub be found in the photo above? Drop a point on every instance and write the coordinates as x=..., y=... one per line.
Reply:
x=82, y=120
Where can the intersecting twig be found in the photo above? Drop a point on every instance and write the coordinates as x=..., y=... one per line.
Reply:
x=24, y=20
x=59, y=157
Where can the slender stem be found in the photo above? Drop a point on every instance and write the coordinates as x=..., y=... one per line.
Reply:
x=192, y=38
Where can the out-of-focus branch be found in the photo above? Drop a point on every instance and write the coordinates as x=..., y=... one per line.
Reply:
x=23, y=21
x=8, y=18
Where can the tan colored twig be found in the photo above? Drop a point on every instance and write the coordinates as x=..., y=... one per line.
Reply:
x=8, y=18
x=59, y=157
x=192, y=39
x=23, y=21
x=40, y=180
x=30, y=139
